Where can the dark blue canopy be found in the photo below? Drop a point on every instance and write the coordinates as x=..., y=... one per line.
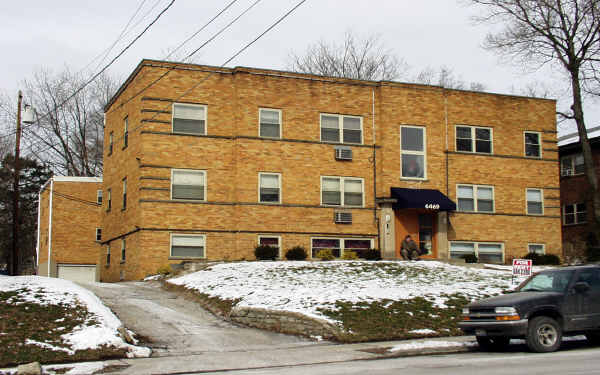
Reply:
x=422, y=198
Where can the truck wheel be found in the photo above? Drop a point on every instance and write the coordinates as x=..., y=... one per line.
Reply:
x=544, y=335
x=492, y=343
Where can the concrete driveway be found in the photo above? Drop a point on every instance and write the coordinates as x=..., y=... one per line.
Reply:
x=174, y=326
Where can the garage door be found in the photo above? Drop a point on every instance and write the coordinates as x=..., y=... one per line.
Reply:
x=79, y=273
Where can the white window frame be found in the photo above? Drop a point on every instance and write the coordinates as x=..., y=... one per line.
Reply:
x=280, y=122
x=475, y=206
x=342, y=242
x=476, y=247
x=408, y=152
x=99, y=196
x=341, y=127
x=110, y=143
x=278, y=183
x=278, y=242
x=342, y=180
x=572, y=163
x=189, y=105
x=98, y=234
x=171, y=256
x=126, y=131
x=525, y=144
x=473, y=139
x=185, y=170
x=123, y=250
x=575, y=212
x=526, y=201
x=536, y=244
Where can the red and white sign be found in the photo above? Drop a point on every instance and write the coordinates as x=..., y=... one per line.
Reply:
x=521, y=267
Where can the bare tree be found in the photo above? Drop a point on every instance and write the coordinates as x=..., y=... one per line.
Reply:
x=69, y=136
x=356, y=57
x=445, y=77
x=563, y=32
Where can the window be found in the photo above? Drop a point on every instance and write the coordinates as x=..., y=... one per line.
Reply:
x=572, y=165
x=339, y=245
x=123, y=247
x=273, y=241
x=342, y=191
x=533, y=146
x=592, y=277
x=269, y=123
x=108, y=200
x=124, y=193
x=125, y=132
x=475, y=198
x=536, y=248
x=108, y=255
x=412, y=148
x=110, y=143
x=187, y=246
x=99, y=196
x=188, y=184
x=98, y=234
x=574, y=214
x=269, y=186
x=189, y=118
x=535, y=202
x=485, y=252
x=341, y=129
x=474, y=139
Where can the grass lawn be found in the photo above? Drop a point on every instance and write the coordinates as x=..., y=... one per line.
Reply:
x=367, y=300
x=53, y=321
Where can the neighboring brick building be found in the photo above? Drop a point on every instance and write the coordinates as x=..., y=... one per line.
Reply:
x=69, y=228
x=206, y=162
x=576, y=198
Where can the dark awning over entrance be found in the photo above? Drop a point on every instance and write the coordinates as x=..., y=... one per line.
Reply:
x=422, y=198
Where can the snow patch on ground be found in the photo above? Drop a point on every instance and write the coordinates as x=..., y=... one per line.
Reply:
x=307, y=287
x=432, y=345
x=423, y=331
x=53, y=291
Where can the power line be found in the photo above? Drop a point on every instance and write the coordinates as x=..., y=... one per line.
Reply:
x=107, y=65
x=76, y=199
x=169, y=70
x=240, y=51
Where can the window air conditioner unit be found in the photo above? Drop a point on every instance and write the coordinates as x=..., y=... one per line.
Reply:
x=342, y=217
x=343, y=153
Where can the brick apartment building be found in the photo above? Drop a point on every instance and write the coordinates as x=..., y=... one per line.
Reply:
x=69, y=228
x=576, y=198
x=206, y=162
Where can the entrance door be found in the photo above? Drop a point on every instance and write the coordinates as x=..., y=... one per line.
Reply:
x=421, y=227
x=426, y=235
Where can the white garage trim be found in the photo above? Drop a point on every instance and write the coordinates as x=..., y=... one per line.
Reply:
x=77, y=272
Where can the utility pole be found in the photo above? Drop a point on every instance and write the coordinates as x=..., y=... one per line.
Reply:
x=15, y=244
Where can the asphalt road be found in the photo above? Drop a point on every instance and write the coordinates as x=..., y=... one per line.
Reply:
x=576, y=358
x=174, y=326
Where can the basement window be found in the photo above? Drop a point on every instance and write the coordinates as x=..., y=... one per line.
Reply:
x=188, y=246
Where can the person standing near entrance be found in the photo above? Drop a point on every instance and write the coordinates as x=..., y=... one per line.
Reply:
x=409, y=249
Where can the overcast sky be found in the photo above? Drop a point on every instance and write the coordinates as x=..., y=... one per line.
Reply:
x=55, y=34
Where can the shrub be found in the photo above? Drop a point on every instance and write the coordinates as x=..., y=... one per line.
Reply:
x=265, y=252
x=370, y=254
x=325, y=254
x=470, y=258
x=164, y=270
x=296, y=253
x=349, y=255
x=543, y=259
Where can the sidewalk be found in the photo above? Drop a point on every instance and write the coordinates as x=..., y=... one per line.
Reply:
x=257, y=359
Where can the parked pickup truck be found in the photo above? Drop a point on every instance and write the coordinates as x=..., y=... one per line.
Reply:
x=543, y=308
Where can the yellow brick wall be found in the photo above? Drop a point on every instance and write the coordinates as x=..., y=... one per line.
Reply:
x=75, y=217
x=232, y=156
